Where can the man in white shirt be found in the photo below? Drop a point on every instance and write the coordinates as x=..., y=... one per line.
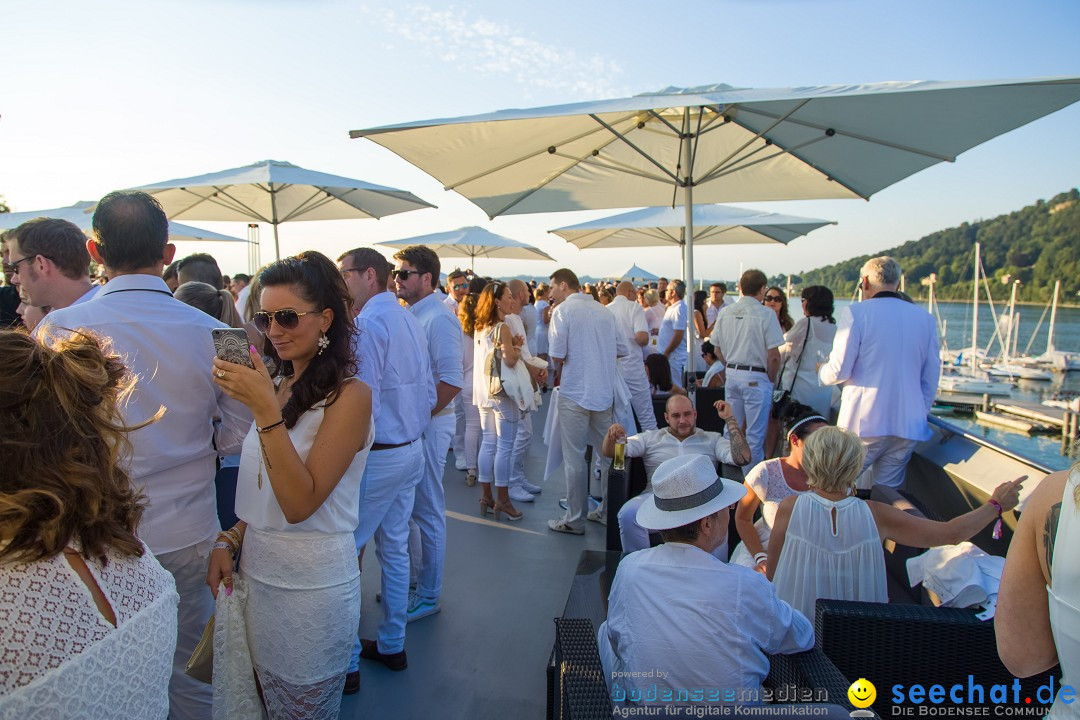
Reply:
x=677, y=608
x=392, y=351
x=680, y=437
x=168, y=346
x=584, y=344
x=631, y=323
x=417, y=277
x=521, y=490
x=747, y=338
x=672, y=337
x=457, y=287
x=886, y=356
x=52, y=265
x=718, y=300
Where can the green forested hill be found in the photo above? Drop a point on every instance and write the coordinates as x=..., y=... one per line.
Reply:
x=1038, y=245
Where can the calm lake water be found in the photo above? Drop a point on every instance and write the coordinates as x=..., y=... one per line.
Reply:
x=956, y=318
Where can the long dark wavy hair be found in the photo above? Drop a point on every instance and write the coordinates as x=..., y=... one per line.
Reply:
x=467, y=307
x=65, y=449
x=317, y=280
x=487, y=313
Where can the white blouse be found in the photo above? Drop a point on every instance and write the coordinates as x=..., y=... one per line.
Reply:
x=258, y=506
x=820, y=560
x=60, y=658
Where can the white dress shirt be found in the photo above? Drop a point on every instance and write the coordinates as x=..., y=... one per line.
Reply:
x=241, y=299
x=529, y=320
x=745, y=332
x=451, y=303
x=392, y=351
x=706, y=624
x=443, y=333
x=583, y=335
x=167, y=345
x=886, y=354
x=656, y=446
x=674, y=320
x=629, y=321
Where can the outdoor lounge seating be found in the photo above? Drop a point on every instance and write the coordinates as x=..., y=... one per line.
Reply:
x=576, y=685
x=891, y=644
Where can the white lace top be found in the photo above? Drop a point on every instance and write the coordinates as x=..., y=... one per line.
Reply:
x=59, y=657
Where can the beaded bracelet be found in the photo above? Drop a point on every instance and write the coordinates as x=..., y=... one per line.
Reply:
x=996, y=534
x=268, y=428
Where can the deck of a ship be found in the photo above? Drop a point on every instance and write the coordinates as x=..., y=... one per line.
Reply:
x=484, y=655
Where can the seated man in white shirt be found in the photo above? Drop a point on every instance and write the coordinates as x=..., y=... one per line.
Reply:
x=680, y=437
x=680, y=616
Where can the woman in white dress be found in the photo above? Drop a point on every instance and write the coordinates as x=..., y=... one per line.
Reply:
x=88, y=616
x=1038, y=613
x=770, y=482
x=811, y=341
x=826, y=543
x=297, y=497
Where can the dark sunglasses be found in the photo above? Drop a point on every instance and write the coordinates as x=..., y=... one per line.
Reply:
x=461, y=286
x=286, y=319
x=773, y=298
x=404, y=274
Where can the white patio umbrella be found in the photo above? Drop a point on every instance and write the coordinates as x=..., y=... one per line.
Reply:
x=473, y=242
x=713, y=225
x=275, y=192
x=635, y=273
x=82, y=215
x=716, y=144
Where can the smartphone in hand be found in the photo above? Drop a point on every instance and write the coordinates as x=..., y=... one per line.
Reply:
x=231, y=345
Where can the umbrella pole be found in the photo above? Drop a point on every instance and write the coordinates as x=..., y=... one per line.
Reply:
x=688, y=255
x=274, y=221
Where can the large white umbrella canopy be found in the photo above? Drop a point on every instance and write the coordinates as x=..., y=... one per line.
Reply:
x=473, y=242
x=275, y=192
x=717, y=144
x=713, y=225
x=635, y=273
x=81, y=214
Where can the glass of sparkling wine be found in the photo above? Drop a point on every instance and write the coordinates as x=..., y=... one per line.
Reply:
x=620, y=453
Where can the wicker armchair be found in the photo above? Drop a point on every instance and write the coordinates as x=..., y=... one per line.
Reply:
x=914, y=644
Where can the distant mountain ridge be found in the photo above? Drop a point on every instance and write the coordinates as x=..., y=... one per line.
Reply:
x=1037, y=245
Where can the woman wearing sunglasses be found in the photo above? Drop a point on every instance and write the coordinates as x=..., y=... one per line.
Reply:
x=776, y=300
x=500, y=416
x=297, y=497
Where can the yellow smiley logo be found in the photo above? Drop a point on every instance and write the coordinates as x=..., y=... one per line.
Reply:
x=862, y=693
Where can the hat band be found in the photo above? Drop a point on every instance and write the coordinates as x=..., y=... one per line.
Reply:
x=688, y=502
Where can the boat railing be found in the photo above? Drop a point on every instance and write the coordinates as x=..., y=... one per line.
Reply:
x=950, y=430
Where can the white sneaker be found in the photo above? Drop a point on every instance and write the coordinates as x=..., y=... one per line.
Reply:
x=597, y=516
x=460, y=464
x=529, y=487
x=518, y=494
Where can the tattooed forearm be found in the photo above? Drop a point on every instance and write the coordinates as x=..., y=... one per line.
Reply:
x=740, y=449
x=1049, y=535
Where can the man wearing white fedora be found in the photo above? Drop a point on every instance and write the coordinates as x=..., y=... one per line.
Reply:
x=678, y=618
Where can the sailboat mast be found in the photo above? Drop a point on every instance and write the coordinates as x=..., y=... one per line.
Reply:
x=1010, y=348
x=975, y=314
x=1053, y=317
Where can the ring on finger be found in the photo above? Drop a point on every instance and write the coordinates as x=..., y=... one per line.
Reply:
x=220, y=374
x=227, y=580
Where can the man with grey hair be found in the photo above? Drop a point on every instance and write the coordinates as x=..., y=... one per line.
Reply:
x=885, y=356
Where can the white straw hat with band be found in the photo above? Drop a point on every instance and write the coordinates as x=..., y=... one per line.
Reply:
x=685, y=489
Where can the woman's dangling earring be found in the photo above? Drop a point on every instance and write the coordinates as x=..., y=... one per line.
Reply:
x=324, y=342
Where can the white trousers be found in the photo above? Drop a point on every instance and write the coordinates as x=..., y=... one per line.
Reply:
x=189, y=698
x=429, y=510
x=750, y=396
x=387, y=491
x=886, y=460
x=459, y=427
x=579, y=427
x=500, y=425
x=634, y=537
x=522, y=441
x=474, y=434
x=640, y=394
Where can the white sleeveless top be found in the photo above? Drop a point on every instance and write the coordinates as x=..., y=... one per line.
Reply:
x=60, y=658
x=259, y=508
x=816, y=562
x=1064, y=596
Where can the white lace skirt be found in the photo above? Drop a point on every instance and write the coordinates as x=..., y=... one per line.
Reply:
x=302, y=613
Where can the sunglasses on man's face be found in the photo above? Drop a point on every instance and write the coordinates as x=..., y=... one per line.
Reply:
x=286, y=319
x=403, y=275
x=461, y=286
x=13, y=268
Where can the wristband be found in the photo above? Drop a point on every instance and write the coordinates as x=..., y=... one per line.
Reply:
x=268, y=428
x=225, y=546
x=996, y=534
x=760, y=558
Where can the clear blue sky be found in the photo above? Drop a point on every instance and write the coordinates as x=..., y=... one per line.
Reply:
x=100, y=96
